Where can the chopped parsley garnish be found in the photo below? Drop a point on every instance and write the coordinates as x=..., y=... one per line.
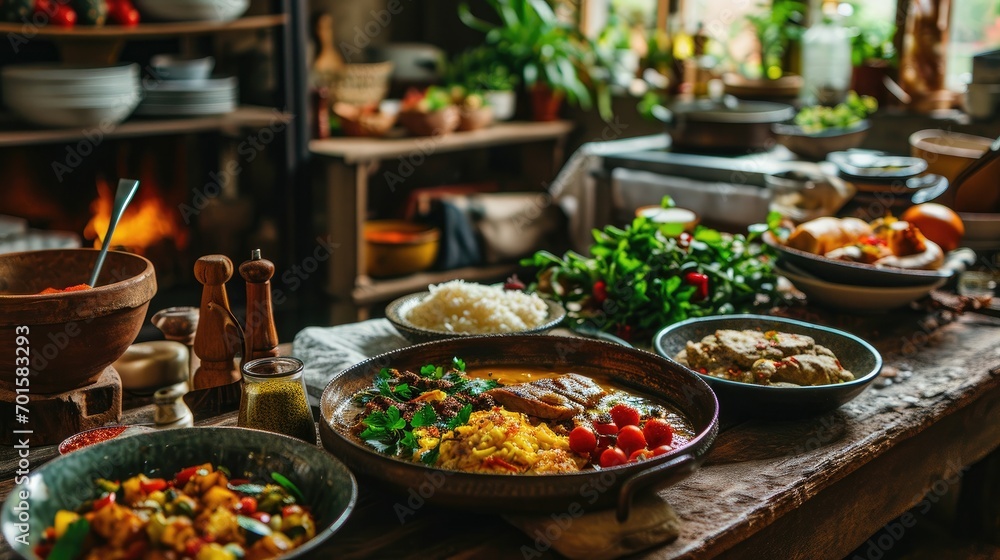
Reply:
x=390, y=432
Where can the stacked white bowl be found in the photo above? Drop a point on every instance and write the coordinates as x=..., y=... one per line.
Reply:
x=193, y=10
x=60, y=96
x=182, y=87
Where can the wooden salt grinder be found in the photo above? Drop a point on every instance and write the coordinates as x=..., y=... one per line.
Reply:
x=212, y=342
x=260, y=330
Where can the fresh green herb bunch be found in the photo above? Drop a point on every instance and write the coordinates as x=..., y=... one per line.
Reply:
x=638, y=279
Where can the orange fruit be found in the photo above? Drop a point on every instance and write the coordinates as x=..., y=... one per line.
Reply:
x=938, y=223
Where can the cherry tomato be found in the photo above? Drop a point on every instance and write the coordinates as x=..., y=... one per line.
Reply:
x=248, y=505
x=613, y=456
x=624, y=415
x=630, y=439
x=105, y=501
x=608, y=429
x=124, y=14
x=658, y=432
x=661, y=450
x=640, y=455
x=582, y=440
x=261, y=516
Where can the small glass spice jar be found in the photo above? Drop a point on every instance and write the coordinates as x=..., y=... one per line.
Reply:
x=274, y=398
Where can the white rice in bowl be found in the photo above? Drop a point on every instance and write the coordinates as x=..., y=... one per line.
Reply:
x=463, y=307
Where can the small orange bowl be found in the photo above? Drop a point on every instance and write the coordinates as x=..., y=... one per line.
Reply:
x=399, y=247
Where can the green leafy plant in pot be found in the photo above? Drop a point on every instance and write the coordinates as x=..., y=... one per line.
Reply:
x=482, y=70
x=873, y=55
x=776, y=28
x=552, y=58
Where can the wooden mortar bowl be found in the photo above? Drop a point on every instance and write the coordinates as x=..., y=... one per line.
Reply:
x=72, y=336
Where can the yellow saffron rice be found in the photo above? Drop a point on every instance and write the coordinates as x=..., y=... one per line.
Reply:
x=498, y=441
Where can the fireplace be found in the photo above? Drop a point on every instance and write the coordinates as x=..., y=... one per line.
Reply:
x=184, y=208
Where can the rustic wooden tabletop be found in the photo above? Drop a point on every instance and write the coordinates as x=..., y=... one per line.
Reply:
x=812, y=488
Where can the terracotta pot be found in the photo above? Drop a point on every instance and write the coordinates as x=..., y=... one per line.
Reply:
x=546, y=103
x=867, y=79
x=73, y=335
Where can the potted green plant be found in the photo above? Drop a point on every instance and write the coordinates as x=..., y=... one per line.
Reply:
x=552, y=58
x=482, y=71
x=777, y=26
x=872, y=54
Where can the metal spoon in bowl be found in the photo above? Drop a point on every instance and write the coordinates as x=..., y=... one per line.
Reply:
x=126, y=190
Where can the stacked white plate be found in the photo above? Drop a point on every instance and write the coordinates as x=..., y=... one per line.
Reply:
x=59, y=96
x=193, y=10
x=185, y=98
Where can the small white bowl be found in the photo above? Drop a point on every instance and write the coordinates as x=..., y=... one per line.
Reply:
x=173, y=67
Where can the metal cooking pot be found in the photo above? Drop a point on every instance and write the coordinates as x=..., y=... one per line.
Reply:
x=729, y=125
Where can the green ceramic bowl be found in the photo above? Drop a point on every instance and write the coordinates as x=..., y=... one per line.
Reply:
x=65, y=482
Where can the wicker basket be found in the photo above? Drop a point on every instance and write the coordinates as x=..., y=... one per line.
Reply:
x=361, y=84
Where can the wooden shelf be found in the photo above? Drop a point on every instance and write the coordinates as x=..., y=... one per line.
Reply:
x=354, y=150
x=242, y=117
x=93, y=45
x=146, y=30
x=370, y=291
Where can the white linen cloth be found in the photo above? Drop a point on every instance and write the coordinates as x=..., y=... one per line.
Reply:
x=327, y=351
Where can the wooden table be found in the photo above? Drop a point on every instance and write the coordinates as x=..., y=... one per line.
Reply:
x=349, y=162
x=813, y=488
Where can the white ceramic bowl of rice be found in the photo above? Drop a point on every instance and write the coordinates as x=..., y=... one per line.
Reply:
x=459, y=308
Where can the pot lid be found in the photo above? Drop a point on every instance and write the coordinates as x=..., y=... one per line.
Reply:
x=733, y=111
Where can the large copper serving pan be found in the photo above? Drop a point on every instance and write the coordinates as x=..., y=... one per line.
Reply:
x=641, y=371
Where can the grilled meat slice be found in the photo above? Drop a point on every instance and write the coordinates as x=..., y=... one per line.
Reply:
x=558, y=398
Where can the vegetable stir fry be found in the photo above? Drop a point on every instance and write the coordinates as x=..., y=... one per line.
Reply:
x=200, y=514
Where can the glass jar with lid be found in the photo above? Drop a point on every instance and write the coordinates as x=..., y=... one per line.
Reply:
x=274, y=398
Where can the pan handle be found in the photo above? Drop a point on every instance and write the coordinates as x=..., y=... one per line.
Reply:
x=666, y=473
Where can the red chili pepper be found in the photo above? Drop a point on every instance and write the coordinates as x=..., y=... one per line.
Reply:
x=699, y=281
x=600, y=291
x=153, y=485
x=185, y=475
x=105, y=501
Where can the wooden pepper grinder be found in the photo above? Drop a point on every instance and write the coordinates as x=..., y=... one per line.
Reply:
x=260, y=331
x=212, y=341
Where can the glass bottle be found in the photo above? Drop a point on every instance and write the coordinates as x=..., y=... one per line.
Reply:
x=826, y=59
x=274, y=398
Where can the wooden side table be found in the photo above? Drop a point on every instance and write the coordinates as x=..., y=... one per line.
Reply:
x=348, y=163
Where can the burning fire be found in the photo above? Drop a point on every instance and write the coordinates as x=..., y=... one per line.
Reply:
x=147, y=221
